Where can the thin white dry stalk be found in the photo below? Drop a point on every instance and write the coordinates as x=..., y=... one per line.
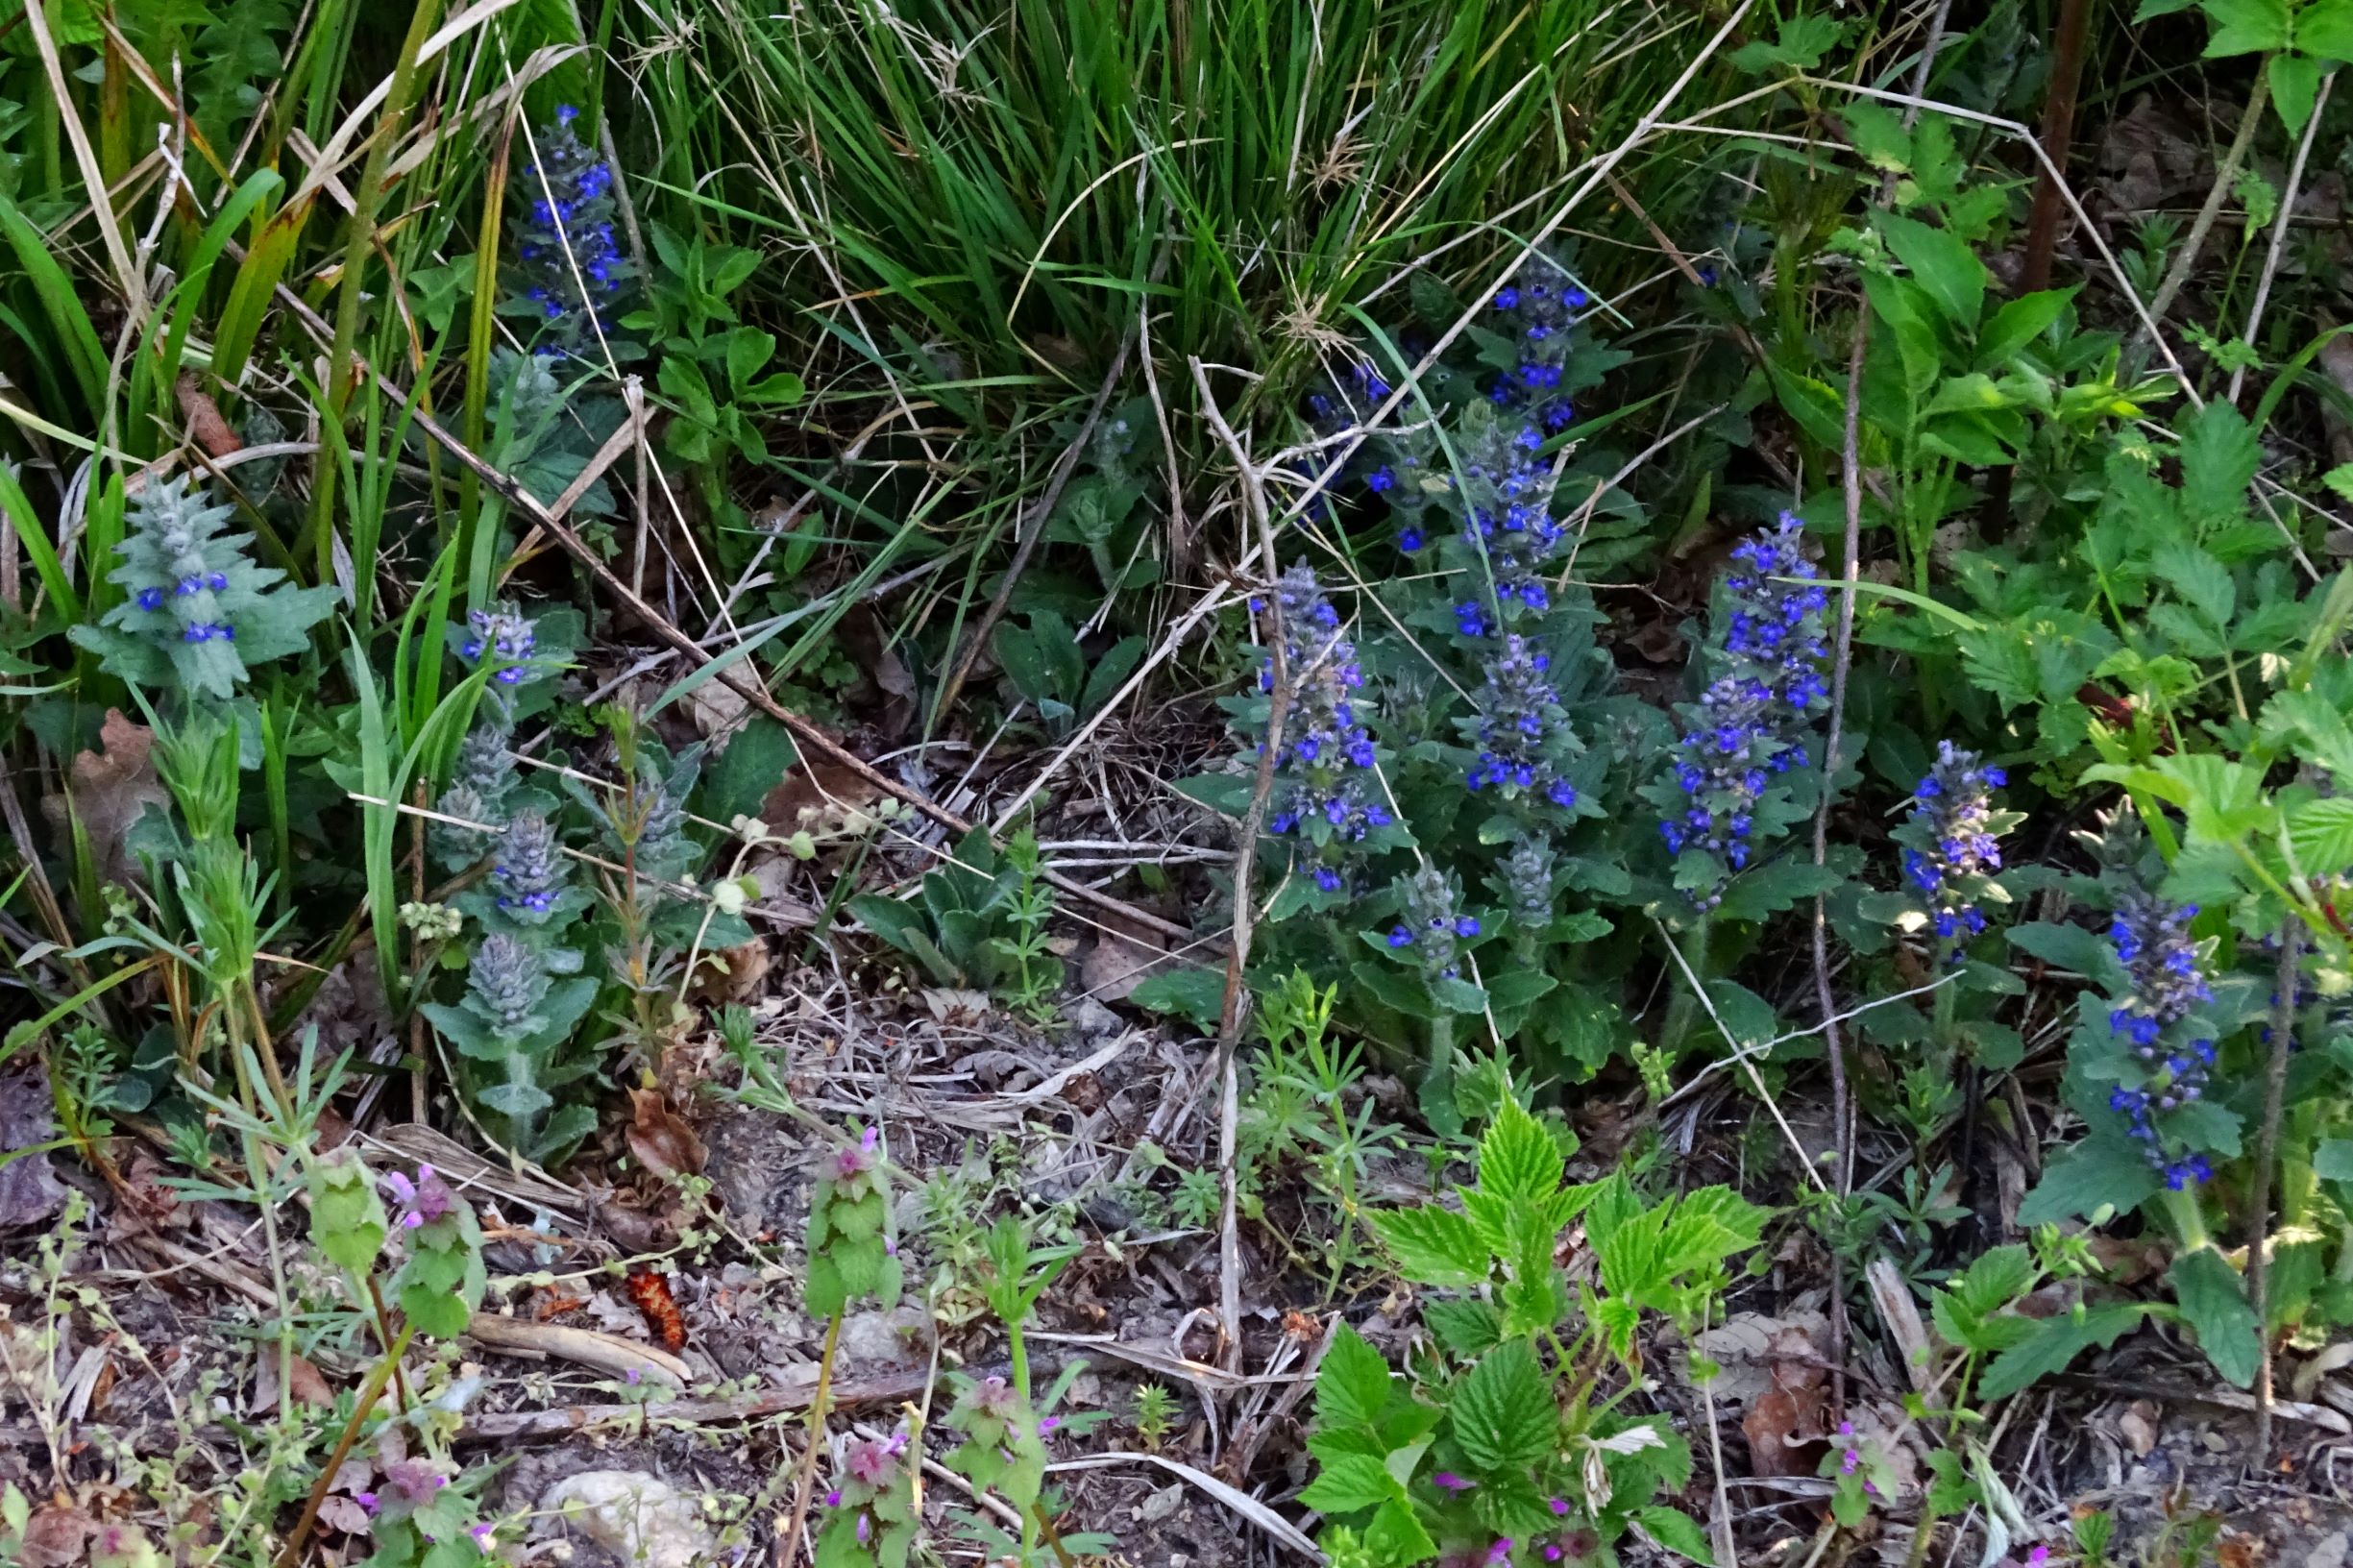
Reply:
x=1245, y=863
x=2225, y=177
x=2279, y=233
x=1757, y=1080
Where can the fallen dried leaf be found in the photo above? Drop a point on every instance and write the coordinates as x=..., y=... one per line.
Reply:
x=55, y=1536
x=30, y=1192
x=212, y=432
x=2139, y=1425
x=108, y=790
x=660, y=1137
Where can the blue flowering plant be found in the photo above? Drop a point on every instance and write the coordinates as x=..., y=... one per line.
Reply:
x=196, y=614
x=570, y=270
x=1950, y=897
x=2157, y=1066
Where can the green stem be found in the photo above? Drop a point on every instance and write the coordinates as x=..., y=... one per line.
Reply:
x=2188, y=1220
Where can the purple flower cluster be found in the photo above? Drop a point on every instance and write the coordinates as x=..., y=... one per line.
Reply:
x=421, y=1201
x=529, y=870
x=1772, y=627
x=1539, y=310
x=1951, y=849
x=1749, y=725
x=1521, y=724
x=1326, y=755
x=505, y=635
x=2166, y=983
x=1432, y=923
x=1508, y=519
x=570, y=260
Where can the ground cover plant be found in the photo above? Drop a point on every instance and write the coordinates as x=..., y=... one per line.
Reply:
x=1385, y=784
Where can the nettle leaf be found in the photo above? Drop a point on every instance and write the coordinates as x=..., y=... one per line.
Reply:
x=2245, y=27
x=1433, y=1245
x=1503, y=1414
x=1352, y=1386
x=2212, y=1301
x=1676, y=1530
x=2220, y=455
x=1518, y=1161
x=2325, y=28
x=2295, y=87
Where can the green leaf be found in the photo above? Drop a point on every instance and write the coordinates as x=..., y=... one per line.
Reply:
x=2212, y=1301
x=2020, y=321
x=1800, y=45
x=2054, y=1343
x=438, y=1313
x=1352, y=1386
x=1197, y=995
x=2331, y=1160
x=2325, y=28
x=1942, y=263
x=2071, y=947
x=2295, y=84
x=1518, y=1161
x=1433, y=1245
x=2106, y=1170
x=2219, y=454
x=2321, y=833
x=1349, y=1482
x=2245, y=27
x=1676, y=1530
x=1503, y=1414
x=1396, y=1537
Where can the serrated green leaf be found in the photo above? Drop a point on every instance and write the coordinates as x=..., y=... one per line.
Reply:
x=1432, y=1245
x=1349, y=1482
x=2106, y=1170
x=1352, y=1386
x=1676, y=1530
x=2325, y=28
x=2203, y=582
x=1518, y=1161
x=2054, y=1343
x=2245, y=27
x=1502, y=1414
x=2219, y=454
x=2321, y=833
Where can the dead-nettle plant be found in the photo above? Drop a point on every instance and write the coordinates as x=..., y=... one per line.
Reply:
x=1510, y=1442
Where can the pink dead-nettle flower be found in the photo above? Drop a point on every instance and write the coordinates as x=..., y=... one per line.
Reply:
x=1501, y=1551
x=833, y=1498
x=1446, y=1481
x=422, y=1201
x=1561, y=1507
x=872, y=1462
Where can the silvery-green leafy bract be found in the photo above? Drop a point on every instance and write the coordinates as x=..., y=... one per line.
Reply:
x=196, y=614
x=1508, y=1448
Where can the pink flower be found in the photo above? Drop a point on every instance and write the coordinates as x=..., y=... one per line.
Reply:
x=833, y=1498
x=482, y=1532
x=2039, y=1556
x=1048, y=1423
x=423, y=1200
x=871, y=1461
x=865, y=1529
x=1561, y=1507
x=1446, y=1481
x=1551, y=1553
x=1501, y=1551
